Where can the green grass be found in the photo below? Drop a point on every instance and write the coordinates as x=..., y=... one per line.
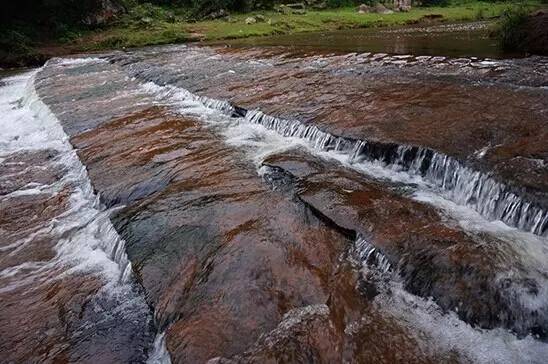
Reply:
x=134, y=36
x=129, y=34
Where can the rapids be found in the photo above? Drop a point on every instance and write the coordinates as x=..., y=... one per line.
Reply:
x=65, y=278
x=202, y=204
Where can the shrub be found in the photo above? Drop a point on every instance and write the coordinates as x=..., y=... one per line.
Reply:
x=512, y=29
x=15, y=41
x=435, y=2
x=208, y=6
x=341, y=3
x=52, y=12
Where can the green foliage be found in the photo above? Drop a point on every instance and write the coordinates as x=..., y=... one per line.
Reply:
x=435, y=2
x=162, y=33
x=147, y=10
x=344, y=3
x=204, y=7
x=16, y=41
x=47, y=11
x=17, y=49
x=28, y=24
x=128, y=4
x=512, y=32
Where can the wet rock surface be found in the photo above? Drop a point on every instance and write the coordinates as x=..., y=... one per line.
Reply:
x=250, y=244
x=209, y=255
x=216, y=264
x=471, y=109
x=229, y=265
x=60, y=302
x=473, y=273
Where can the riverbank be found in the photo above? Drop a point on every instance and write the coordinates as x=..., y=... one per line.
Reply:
x=156, y=25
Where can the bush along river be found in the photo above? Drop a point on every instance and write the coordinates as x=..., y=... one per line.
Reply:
x=275, y=204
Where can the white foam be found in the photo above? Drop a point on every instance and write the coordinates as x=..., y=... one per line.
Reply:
x=446, y=329
x=87, y=240
x=260, y=142
x=84, y=240
x=159, y=354
x=78, y=61
x=430, y=324
x=495, y=346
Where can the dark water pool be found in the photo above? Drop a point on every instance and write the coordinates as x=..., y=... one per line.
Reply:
x=452, y=40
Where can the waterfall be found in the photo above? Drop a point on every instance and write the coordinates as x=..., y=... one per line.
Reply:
x=85, y=240
x=159, y=354
x=86, y=201
x=464, y=186
x=369, y=255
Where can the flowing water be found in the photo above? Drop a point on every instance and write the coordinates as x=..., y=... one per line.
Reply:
x=207, y=204
x=65, y=277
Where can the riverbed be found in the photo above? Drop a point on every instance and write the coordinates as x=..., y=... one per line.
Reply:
x=351, y=197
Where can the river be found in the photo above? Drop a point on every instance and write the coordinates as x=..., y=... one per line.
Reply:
x=267, y=202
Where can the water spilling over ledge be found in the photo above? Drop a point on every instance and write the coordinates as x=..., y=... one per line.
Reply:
x=368, y=255
x=513, y=198
x=64, y=273
x=493, y=199
x=524, y=315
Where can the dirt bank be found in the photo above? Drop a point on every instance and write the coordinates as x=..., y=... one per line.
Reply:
x=537, y=32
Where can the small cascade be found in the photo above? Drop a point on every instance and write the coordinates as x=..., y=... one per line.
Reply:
x=478, y=190
x=224, y=106
x=179, y=94
x=390, y=295
x=490, y=198
x=159, y=354
x=463, y=185
x=75, y=246
x=88, y=208
x=370, y=256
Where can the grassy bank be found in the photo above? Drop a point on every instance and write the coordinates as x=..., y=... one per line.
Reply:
x=152, y=25
x=132, y=32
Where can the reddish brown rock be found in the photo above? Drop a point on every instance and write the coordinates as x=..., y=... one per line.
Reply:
x=52, y=312
x=225, y=261
x=469, y=109
x=435, y=257
x=238, y=272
